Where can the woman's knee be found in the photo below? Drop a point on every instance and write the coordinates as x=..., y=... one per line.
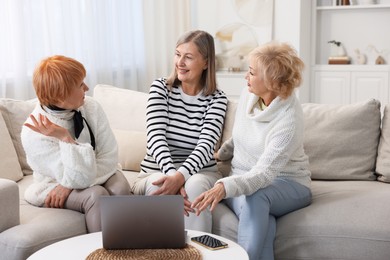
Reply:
x=204, y=180
x=97, y=191
x=117, y=184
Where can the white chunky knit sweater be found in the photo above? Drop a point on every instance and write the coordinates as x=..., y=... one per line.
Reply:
x=75, y=166
x=265, y=145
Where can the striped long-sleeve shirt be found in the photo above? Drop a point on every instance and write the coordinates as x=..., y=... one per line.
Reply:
x=182, y=130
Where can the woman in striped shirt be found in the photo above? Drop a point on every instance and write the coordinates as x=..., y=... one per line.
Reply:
x=185, y=116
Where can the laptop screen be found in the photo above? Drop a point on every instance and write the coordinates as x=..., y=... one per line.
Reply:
x=142, y=222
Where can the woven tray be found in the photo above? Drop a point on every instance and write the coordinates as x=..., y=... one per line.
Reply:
x=189, y=252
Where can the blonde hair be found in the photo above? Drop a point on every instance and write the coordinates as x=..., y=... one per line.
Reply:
x=54, y=78
x=280, y=66
x=205, y=44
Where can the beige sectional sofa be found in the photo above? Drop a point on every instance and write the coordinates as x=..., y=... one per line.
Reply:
x=349, y=151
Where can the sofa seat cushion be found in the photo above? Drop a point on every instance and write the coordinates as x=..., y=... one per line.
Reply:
x=39, y=227
x=225, y=222
x=346, y=220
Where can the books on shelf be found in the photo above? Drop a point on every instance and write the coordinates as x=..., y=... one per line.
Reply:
x=339, y=60
x=342, y=2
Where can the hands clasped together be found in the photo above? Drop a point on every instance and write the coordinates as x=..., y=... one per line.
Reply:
x=174, y=184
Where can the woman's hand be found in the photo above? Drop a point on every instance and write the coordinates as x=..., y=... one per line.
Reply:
x=211, y=197
x=169, y=185
x=187, y=203
x=44, y=126
x=57, y=197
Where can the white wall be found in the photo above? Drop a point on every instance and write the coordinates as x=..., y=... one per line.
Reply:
x=292, y=25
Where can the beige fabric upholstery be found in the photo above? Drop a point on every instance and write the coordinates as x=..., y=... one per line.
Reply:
x=15, y=113
x=9, y=164
x=225, y=166
x=9, y=204
x=341, y=140
x=125, y=109
x=229, y=120
x=132, y=148
x=346, y=220
x=383, y=160
x=39, y=227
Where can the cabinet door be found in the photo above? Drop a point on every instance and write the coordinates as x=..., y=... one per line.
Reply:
x=331, y=87
x=366, y=85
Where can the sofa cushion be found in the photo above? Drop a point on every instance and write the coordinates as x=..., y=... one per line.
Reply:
x=229, y=120
x=9, y=164
x=341, y=140
x=125, y=109
x=15, y=113
x=225, y=166
x=9, y=204
x=346, y=220
x=383, y=160
x=131, y=148
x=39, y=227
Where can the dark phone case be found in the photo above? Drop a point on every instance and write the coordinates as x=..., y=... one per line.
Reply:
x=209, y=242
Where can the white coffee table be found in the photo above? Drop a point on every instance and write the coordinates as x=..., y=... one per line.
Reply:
x=80, y=247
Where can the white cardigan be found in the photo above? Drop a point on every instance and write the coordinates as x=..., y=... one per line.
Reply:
x=75, y=166
x=265, y=145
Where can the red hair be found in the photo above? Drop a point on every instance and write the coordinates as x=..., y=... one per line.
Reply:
x=54, y=78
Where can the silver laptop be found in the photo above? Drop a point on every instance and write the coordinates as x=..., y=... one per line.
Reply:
x=142, y=222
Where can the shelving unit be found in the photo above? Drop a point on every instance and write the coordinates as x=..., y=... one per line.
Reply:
x=352, y=7
x=356, y=27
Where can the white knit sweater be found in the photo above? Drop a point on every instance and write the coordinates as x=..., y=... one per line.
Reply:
x=265, y=145
x=75, y=166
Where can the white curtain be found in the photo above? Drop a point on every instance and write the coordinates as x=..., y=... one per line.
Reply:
x=126, y=43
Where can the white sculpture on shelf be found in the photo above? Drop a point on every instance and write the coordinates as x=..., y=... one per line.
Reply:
x=360, y=57
x=379, y=60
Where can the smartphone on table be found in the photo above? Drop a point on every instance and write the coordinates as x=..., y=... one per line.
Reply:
x=209, y=242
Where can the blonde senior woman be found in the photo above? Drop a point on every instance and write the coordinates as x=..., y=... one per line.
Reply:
x=269, y=175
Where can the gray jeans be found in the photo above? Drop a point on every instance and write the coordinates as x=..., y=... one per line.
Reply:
x=87, y=200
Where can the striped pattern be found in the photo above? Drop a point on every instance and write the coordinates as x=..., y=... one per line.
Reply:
x=182, y=130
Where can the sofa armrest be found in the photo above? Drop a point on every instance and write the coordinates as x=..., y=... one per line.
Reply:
x=9, y=203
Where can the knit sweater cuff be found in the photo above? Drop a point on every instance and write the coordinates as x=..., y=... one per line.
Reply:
x=230, y=187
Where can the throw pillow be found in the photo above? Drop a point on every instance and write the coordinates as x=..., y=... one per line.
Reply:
x=383, y=160
x=131, y=148
x=225, y=166
x=9, y=164
x=341, y=140
x=125, y=109
x=15, y=113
